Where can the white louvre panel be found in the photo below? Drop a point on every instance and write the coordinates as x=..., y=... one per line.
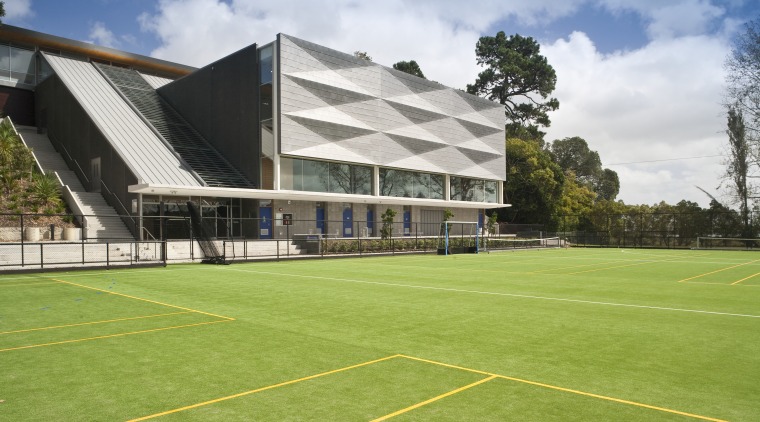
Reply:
x=142, y=151
x=337, y=107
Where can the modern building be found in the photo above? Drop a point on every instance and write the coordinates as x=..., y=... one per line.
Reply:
x=302, y=138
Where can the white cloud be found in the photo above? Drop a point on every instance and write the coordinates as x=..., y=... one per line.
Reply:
x=669, y=19
x=659, y=102
x=18, y=9
x=101, y=35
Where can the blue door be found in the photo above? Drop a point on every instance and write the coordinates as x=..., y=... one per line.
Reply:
x=370, y=223
x=348, y=222
x=265, y=222
x=407, y=223
x=321, y=220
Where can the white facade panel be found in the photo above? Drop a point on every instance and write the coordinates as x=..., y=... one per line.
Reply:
x=335, y=106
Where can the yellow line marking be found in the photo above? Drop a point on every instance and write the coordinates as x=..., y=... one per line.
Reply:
x=744, y=279
x=144, y=300
x=568, y=390
x=717, y=271
x=94, y=322
x=27, y=284
x=426, y=402
x=110, y=336
x=245, y=393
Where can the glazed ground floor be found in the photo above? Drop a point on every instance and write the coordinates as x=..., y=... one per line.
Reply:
x=167, y=217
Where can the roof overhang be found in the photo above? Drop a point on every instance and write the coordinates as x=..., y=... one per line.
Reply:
x=189, y=191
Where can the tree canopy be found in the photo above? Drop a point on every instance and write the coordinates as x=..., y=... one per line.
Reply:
x=574, y=155
x=534, y=183
x=519, y=77
x=411, y=67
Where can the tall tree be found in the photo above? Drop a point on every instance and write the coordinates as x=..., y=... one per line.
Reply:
x=738, y=165
x=2, y=10
x=574, y=155
x=533, y=186
x=743, y=75
x=411, y=67
x=608, y=185
x=518, y=76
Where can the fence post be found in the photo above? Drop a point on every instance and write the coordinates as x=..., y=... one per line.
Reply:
x=108, y=256
x=22, y=240
x=42, y=256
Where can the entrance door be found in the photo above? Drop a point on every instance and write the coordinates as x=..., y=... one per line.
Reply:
x=320, y=218
x=265, y=222
x=370, y=222
x=348, y=220
x=95, y=175
x=407, y=222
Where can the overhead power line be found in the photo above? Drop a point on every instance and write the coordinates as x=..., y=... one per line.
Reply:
x=665, y=159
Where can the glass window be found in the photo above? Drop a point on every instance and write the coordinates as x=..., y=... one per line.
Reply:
x=340, y=178
x=409, y=184
x=436, y=186
x=22, y=65
x=315, y=176
x=265, y=64
x=491, y=194
x=5, y=57
x=473, y=190
x=319, y=176
x=362, y=178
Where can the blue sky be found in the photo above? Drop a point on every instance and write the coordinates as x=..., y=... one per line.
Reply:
x=640, y=80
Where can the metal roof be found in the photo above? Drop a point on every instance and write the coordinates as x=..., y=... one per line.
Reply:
x=138, y=146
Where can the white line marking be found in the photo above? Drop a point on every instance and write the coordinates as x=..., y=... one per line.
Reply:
x=447, y=289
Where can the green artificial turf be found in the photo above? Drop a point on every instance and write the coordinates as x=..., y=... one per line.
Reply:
x=563, y=334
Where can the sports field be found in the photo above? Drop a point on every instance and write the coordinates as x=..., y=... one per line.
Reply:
x=561, y=334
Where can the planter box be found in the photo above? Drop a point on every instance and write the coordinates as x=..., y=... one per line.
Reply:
x=71, y=233
x=32, y=234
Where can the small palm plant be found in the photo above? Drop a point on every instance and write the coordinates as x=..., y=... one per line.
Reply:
x=45, y=192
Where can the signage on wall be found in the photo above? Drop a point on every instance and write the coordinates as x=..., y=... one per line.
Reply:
x=287, y=219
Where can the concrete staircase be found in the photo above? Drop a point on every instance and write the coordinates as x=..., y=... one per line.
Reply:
x=101, y=221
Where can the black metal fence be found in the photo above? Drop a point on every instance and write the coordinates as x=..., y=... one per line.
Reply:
x=654, y=230
x=56, y=241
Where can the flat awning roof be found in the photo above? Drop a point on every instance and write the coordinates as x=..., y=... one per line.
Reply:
x=150, y=189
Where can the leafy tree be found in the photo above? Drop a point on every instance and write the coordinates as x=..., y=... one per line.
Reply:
x=608, y=185
x=533, y=186
x=574, y=155
x=576, y=202
x=411, y=67
x=2, y=10
x=738, y=165
x=362, y=55
x=519, y=77
x=743, y=74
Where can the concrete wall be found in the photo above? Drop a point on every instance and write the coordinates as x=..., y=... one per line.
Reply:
x=18, y=104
